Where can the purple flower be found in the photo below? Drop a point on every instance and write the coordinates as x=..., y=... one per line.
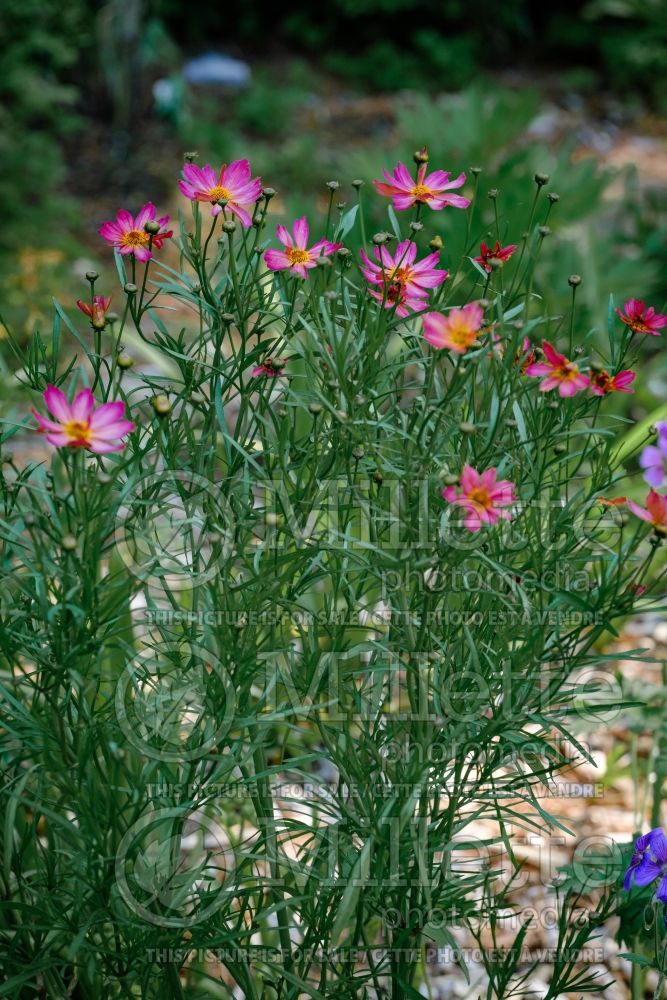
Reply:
x=649, y=862
x=653, y=459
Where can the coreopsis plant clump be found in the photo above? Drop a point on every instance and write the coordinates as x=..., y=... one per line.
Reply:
x=308, y=580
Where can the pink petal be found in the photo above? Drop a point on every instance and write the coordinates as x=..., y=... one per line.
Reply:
x=236, y=175
x=146, y=214
x=300, y=230
x=276, y=260
x=470, y=479
x=106, y=414
x=83, y=405
x=57, y=404
x=284, y=236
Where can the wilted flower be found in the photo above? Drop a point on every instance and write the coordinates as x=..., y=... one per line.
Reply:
x=655, y=511
x=232, y=185
x=80, y=425
x=271, y=367
x=456, y=331
x=641, y=319
x=481, y=497
x=404, y=283
x=561, y=374
x=428, y=189
x=653, y=459
x=488, y=254
x=603, y=383
x=97, y=312
x=649, y=862
x=129, y=236
x=296, y=256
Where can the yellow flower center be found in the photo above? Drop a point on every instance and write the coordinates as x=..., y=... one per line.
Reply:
x=420, y=192
x=462, y=335
x=566, y=372
x=78, y=431
x=220, y=194
x=297, y=256
x=134, y=238
x=400, y=275
x=480, y=496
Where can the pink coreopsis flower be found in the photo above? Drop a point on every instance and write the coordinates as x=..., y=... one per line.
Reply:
x=481, y=496
x=561, y=374
x=488, y=254
x=603, y=383
x=431, y=189
x=80, y=425
x=297, y=257
x=97, y=312
x=404, y=282
x=655, y=511
x=128, y=234
x=233, y=185
x=457, y=331
x=270, y=367
x=641, y=319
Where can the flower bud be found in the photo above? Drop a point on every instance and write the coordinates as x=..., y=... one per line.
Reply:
x=152, y=227
x=333, y=185
x=416, y=227
x=92, y=276
x=574, y=280
x=124, y=360
x=358, y=452
x=560, y=448
x=130, y=289
x=380, y=238
x=103, y=478
x=475, y=171
x=450, y=479
x=68, y=543
x=544, y=230
x=161, y=405
x=553, y=197
x=378, y=477
x=421, y=155
x=29, y=519
x=315, y=408
x=466, y=427
x=359, y=399
x=227, y=318
x=541, y=179
x=357, y=184
x=269, y=193
x=229, y=226
x=436, y=244
x=343, y=253
x=493, y=194
x=187, y=935
x=191, y=156
x=324, y=262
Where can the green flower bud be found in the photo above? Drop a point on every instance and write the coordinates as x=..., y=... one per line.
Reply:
x=541, y=179
x=152, y=227
x=161, y=405
x=574, y=280
x=68, y=543
x=124, y=360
